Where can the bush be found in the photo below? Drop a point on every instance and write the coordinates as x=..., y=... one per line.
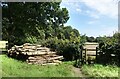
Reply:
x=66, y=47
x=70, y=51
x=109, y=49
x=106, y=54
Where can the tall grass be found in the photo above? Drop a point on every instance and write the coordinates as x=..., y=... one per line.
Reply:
x=100, y=70
x=14, y=68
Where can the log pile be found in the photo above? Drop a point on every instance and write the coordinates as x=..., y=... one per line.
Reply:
x=36, y=54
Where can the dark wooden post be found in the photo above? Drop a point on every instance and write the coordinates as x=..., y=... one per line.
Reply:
x=96, y=54
x=81, y=56
x=85, y=55
x=79, y=62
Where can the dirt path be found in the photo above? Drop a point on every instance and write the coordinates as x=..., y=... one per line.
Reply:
x=78, y=72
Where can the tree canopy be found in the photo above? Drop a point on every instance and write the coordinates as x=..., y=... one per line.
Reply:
x=21, y=20
x=32, y=21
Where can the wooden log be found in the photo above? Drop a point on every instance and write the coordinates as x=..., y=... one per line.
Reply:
x=17, y=53
x=19, y=49
x=13, y=48
x=31, y=57
x=29, y=47
x=18, y=46
x=51, y=52
x=50, y=64
x=41, y=62
x=43, y=48
x=41, y=53
x=50, y=55
x=38, y=46
x=37, y=59
x=27, y=53
x=31, y=50
x=54, y=58
x=57, y=61
x=31, y=60
x=26, y=44
x=26, y=50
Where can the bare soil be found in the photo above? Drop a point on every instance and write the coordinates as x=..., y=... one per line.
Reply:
x=78, y=72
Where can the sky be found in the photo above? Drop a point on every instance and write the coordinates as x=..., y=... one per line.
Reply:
x=93, y=17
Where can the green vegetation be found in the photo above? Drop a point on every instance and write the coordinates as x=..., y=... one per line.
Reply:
x=109, y=49
x=98, y=70
x=32, y=22
x=43, y=23
x=14, y=68
x=67, y=48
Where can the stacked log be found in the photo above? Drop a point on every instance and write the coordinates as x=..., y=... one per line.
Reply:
x=36, y=54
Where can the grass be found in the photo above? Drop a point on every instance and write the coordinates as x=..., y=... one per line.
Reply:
x=98, y=70
x=14, y=68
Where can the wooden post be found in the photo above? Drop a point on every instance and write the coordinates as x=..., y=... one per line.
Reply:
x=80, y=59
x=96, y=55
x=81, y=55
x=79, y=62
x=85, y=55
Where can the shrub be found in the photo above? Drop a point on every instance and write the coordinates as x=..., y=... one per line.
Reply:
x=109, y=54
x=65, y=47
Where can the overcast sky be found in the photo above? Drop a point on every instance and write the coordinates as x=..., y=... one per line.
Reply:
x=93, y=17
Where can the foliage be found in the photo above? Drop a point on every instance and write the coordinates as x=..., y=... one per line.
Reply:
x=24, y=22
x=100, y=70
x=66, y=42
x=90, y=39
x=109, y=40
x=41, y=23
x=67, y=48
x=106, y=40
x=83, y=39
x=109, y=54
x=109, y=49
x=31, y=39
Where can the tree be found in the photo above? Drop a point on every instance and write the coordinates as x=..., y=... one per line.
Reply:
x=83, y=39
x=116, y=37
x=90, y=39
x=22, y=20
x=67, y=31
